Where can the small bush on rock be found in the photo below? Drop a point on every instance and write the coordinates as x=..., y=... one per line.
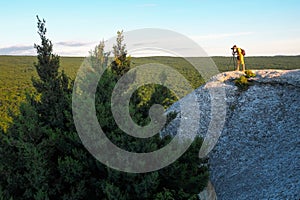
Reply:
x=249, y=74
x=242, y=83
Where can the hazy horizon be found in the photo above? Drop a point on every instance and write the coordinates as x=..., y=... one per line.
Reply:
x=68, y=56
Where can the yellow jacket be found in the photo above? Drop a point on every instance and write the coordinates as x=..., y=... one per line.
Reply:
x=239, y=51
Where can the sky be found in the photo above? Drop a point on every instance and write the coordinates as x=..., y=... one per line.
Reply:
x=261, y=27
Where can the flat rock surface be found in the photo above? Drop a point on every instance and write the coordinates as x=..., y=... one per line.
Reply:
x=257, y=152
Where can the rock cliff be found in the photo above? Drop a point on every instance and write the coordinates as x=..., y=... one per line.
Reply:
x=256, y=155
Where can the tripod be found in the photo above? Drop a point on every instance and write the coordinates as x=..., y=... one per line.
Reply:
x=233, y=61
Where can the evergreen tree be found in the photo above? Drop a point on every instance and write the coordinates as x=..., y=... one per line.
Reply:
x=121, y=63
x=184, y=179
x=53, y=86
x=42, y=157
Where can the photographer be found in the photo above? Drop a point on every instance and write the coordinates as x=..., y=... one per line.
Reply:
x=240, y=57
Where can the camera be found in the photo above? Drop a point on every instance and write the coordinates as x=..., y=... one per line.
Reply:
x=233, y=51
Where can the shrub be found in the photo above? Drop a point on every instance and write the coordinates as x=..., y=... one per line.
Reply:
x=249, y=74
x=242, y=83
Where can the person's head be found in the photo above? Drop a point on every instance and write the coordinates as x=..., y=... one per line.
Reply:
x=234, y=49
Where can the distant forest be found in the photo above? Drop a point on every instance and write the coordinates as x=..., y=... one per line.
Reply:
x=16, y=73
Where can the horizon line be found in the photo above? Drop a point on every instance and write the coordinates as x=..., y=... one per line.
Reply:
x=81, y=56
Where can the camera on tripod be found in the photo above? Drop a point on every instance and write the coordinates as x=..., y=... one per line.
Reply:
x=233, y=59
x=233, y=51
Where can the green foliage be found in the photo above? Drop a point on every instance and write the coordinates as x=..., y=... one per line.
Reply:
x=121, y=63
x=42, y=163
x=249, y=74
x=165, y=195
x=148, y=185
x=54, y=86
x=15, y=82
x=188, y=175
x=179, y=64
x=242, y=83
x=42, y=156
x=16, y=72
x=260, y=63
x=48, y=63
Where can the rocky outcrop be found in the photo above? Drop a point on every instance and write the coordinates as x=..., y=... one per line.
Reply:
x=256, y=155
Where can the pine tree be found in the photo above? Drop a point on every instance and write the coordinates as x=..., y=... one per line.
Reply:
x=41, y=154
x=181, y=180
x=121, y=63
x=52, y=85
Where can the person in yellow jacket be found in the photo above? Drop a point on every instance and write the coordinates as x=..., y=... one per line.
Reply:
x=240, y=57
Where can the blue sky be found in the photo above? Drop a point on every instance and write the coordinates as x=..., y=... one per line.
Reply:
x=265, y=27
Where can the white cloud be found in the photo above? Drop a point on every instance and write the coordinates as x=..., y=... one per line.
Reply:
x=66, y=48
x=74, y=44
x=140, y=45
x=17, y=50
x=72, y=48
